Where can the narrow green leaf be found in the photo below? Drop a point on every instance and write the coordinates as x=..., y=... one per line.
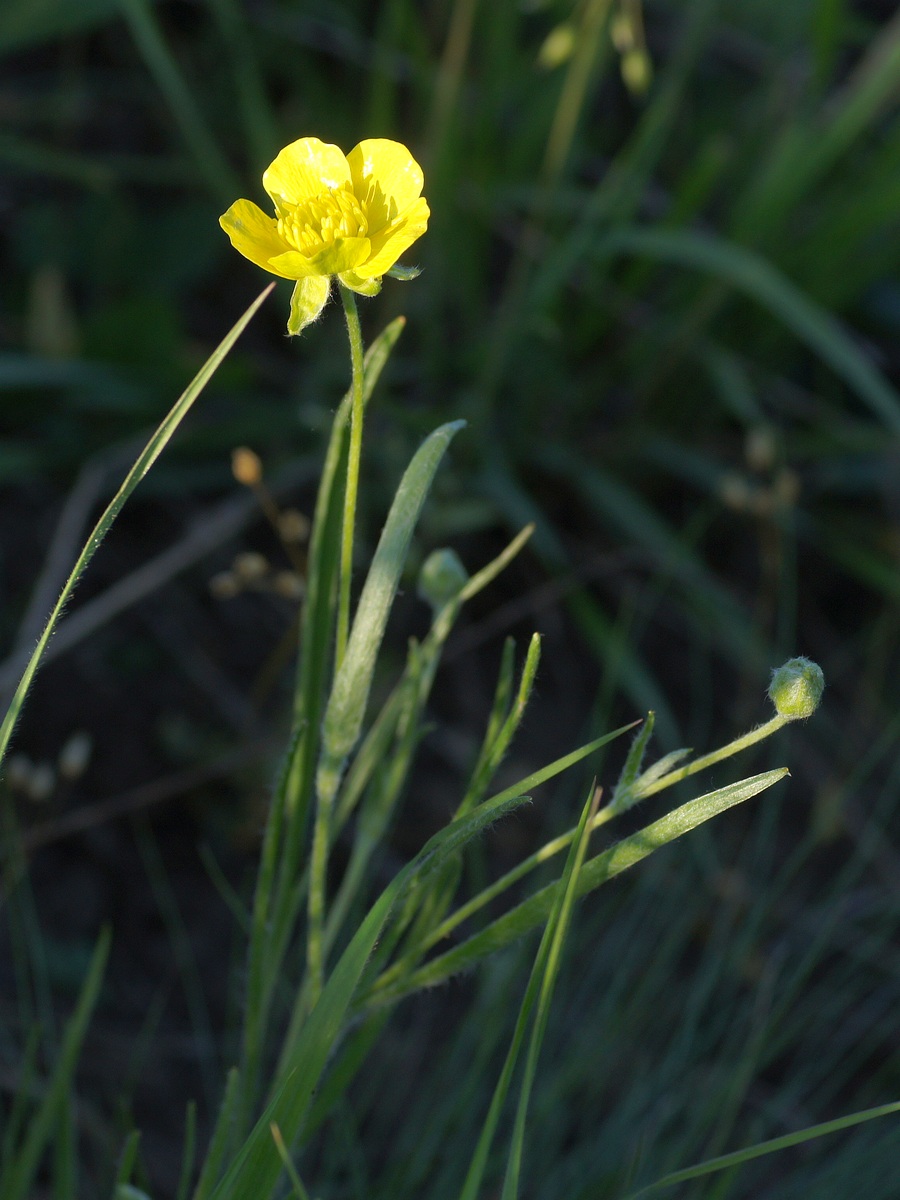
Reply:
x=257, y=1166
x=290, y=1170
x=220, y=1142
x=752, y=274
x=349, y=697
x=599, y=870
x=145, y=461
x=401, y=969
x=622, y=793
x=18, y=1180
x=557, y=930
x=169, y=78
x=278, y=896
x=127, y=1159
x=726, y=1162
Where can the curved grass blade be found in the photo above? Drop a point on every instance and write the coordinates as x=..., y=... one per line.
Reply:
x=212, y=164
x=18, y=1176
x=221, y=1141
x=726, y=1162
x=537, y=994
x=257, y=1166
x=401, y=968
x=346, y=707
x=557, y=931
x=752, y=274
x=145, y=461
x=349, y=696
x=278, y=896
x=599, y=870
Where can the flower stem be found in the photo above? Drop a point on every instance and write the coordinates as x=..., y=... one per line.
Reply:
x=327, y=780
x=356, y=422
x=708, y=760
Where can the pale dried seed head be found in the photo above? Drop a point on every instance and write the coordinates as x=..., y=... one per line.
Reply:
x=293, y=525
x=75, y=755
x=250, y=566
x=224, y=585
x=289, y=585
x=246, y=466
x=18, y=771
x=41, y=784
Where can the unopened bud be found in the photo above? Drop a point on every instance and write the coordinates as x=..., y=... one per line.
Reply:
x=224, y=585
x=289, y=585
x=246, y=466
x=558, y=47
x=250, y=567
x=637, y=71
x=796, y=688
x=760, y=448
x=293, y=525
x=441, y=578
x=75, y=755
x=42, y=784
x=18, y=771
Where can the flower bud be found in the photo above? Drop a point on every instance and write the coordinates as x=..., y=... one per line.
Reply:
x=75, y=755
x=250, y=566
x=42, y=784
x=293, y=526
x=796, y=688
x=246, y=466
x=441, y=578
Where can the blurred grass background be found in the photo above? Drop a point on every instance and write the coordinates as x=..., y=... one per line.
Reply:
x=661, y=283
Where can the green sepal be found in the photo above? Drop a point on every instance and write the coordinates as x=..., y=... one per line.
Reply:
x=362, y=287
x=404, y=273
x=307, y=301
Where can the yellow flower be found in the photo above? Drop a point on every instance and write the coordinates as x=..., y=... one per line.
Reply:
x=348, y=216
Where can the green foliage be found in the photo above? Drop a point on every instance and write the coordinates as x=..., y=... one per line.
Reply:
x=666, y=305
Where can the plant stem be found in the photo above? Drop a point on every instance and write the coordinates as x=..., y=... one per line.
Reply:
x=327, y=782
x=356, y=421
x=708, y=760
x=328, y=778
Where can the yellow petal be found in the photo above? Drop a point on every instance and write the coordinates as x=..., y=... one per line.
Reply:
x=293, y=265
x=255, y=235
x=304, y=169
x=391, y=167
x=388, y=245
x=345, y=254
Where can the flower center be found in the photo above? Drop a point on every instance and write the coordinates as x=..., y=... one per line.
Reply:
x=329, y=217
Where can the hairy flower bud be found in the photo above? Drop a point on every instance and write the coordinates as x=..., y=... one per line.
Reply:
x=441, y=578
x=796, y=688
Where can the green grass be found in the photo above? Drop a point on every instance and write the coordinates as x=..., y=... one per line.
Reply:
x=669, y=320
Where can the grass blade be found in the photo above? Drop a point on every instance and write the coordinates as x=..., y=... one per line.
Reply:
x=18, y=1178
x=557, y=929
x=211, y=163
x=725, y=1162
x=257, y=1166
x=347, y=703
x=346, y=708
x=757, y=278
x=599, y=870
x=145, y=461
